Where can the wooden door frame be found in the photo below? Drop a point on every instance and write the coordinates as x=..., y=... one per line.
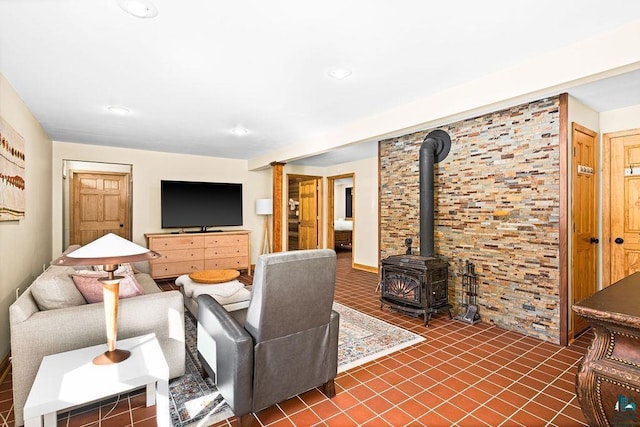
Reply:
x=72, y=173
x=606, y=201
x=320, y=205
x=330, y=216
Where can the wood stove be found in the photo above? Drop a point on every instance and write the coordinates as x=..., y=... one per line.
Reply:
x=415, y=284
x=412, y=283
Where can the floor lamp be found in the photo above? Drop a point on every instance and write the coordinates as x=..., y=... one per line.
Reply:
x=109, y=251
x=265, y=207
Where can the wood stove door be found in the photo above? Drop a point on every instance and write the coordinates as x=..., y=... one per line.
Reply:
x=402, y=285
x=439, y=290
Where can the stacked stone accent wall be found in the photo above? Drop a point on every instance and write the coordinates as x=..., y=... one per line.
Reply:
x=497, y=205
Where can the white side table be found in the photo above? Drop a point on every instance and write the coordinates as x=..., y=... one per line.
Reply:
x=69, y=379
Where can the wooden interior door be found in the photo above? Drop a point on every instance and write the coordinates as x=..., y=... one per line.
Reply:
x=625, y=204
x=584, y=219
x=308, y=227
x=99, y=205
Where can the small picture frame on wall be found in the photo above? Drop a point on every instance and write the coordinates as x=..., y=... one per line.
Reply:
x=12, y=167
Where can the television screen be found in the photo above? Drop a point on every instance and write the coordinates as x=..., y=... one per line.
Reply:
x=200, y=204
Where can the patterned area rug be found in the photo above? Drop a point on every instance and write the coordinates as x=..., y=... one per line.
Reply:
x=363, y=338
x=195, y=401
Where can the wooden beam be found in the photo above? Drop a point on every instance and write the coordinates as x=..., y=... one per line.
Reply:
x=563, y=135
x=277, y=175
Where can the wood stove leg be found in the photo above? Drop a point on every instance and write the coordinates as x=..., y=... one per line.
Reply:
x=427, y=317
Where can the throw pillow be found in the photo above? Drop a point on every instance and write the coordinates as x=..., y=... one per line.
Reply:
x=90, y=287
x=53, y=289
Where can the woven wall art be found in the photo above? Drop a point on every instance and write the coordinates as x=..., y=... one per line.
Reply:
x=12, y=162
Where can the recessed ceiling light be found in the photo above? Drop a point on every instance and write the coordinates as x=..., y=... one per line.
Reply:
x=139, y=8
x=239, y=131
x=340, y=73
x=116, y=109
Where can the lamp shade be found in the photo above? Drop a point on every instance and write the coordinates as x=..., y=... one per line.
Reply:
x=108, y=249
x=264, y=206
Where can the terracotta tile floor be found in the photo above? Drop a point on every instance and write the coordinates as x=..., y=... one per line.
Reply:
x=464, y=375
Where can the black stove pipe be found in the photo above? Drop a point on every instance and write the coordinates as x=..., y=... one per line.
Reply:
x=434, y=149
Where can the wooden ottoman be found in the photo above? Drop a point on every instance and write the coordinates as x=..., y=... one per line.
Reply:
x=210, y=277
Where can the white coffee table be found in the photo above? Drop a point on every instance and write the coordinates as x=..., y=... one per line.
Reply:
x=70, y=379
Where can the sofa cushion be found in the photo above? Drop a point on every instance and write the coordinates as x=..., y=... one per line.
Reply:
x=54, y=289
x=148, y=284
x=90, y=287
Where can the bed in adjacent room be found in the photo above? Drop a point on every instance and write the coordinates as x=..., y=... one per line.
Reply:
x=342, y=233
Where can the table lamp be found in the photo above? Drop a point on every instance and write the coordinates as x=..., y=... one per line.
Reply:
x=109, y=251
x=265, y=207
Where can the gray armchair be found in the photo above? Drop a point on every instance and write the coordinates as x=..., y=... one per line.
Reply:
x=284, y=344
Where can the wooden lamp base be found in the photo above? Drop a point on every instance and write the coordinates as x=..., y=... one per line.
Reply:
x=111, y=357
x=110, y=292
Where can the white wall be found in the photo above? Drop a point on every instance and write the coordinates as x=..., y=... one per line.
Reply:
x=340, y=198
x=148, y=169
x=25, y=245
x=365, y=184
x=620, y=119
x=603, y=55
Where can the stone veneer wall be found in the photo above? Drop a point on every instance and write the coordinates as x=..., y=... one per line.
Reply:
x=497, y=205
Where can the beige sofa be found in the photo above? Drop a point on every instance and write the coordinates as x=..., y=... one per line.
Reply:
x=51, y=316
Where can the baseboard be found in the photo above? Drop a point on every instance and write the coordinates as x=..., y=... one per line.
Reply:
x=365, y=268
x=5, y=364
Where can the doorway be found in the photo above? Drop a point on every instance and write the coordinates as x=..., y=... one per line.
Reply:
x=96, y=200
x=304, y=212
x=621, y=216
x=341, y=212
x=584, y=219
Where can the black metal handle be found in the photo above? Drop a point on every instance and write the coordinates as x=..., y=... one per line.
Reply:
x=619, y=240
x=594, y=240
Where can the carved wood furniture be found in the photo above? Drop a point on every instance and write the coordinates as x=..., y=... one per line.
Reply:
x=608, y=377
x=184, y=253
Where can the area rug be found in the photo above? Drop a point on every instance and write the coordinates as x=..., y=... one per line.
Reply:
x=195, y=401
x=363, y=338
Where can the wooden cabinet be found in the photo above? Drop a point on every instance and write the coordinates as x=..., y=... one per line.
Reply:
x=187, y=252
x=608, y=377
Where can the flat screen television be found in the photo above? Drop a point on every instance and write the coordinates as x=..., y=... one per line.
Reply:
x=200, y=204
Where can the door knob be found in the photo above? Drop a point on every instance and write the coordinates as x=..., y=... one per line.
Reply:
x=594, y=240
x=619, y=240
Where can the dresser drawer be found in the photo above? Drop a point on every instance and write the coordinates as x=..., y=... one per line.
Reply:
x=227, y=240
x=179, y=255
x=177, y=242
x=174, y=269
x=225, y=251
x=234, y=263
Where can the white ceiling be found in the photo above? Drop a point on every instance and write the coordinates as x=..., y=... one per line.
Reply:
x=203, y=67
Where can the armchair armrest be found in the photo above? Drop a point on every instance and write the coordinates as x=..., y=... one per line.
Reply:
x=233, y=353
